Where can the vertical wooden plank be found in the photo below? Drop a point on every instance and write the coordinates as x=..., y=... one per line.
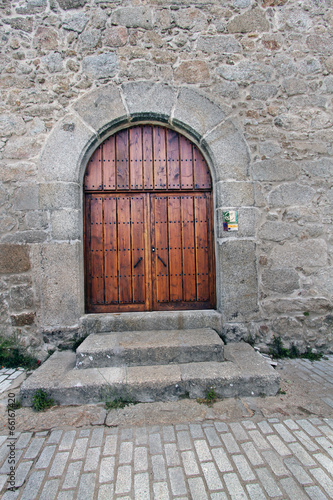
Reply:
x=138, y=249
x=175, y=249
x=109, y=163
x=96, y=250
x=122, y=159
x=202, y=179
x=173, y=160
x=189, y=271
x=186, y=162
x=124, y=249
x=159, y=154
x=148, y=176
x=161, y=274
x=135, y=141
x=93, y=175
x=110, y=250
x=201, y=240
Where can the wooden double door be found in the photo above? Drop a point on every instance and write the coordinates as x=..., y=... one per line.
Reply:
x=148, y=249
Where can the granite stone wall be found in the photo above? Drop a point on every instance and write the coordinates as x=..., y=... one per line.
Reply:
x=251, y=82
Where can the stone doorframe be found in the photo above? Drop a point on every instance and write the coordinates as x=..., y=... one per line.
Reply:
x=58, y=264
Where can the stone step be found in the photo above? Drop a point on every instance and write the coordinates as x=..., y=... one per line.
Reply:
x=243, y=373
x=155, y=347
x=150, y=320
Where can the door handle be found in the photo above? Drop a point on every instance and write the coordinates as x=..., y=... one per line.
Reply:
x=153, y=249
x=164, y=264
x=138, y=262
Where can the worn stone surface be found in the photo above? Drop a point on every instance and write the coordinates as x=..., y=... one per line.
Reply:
x=14, y=259
x=250, y=82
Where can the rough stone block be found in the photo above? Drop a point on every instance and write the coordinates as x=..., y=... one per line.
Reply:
x=11, y=124
x=71, y=4
x=229, y=152
x=115, y=36
x=278, y=231
x=246, y=71
x=294, y=86
x=197, y=111
x=192, y=72
x=307, y=253
x=322, y=167
x=282, y=280
x=59, y=195
x=263, y=92
x=219, y=44
x=100, y=66
x=239, y=294
x=23, y=319
x=62, y=155
x=21, y=23
x=316, y=305
x=234, y=194
x=251, y=21
x=14, y=259
x=18, y=148
x=21, y=297
x=291, y=194
x=66, y=225
x=53, y=62
x=58, y=282
x=143, y=98
x=26, y=197
x=133, y=17
x=275, y=170
x=46, y=39
x=75, y=22
x=190, y=19
x=101, y=107
x=248, y=220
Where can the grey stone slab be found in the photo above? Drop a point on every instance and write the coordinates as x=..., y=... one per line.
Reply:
x=147, y=99
x=235, y=194
x=197, y=111
x=149, y=348
x=228, y=151
x=133, y=17
x=62, y=155
x=101, y=108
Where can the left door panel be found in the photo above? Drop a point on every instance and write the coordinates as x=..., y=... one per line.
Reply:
x=116, y=253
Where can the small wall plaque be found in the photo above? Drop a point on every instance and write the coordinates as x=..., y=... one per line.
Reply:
x=230, y=220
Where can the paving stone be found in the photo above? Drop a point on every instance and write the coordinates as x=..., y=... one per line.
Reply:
x=106, y=472
x=55, y=437
x=59, y=464
x=79, y=448
x=297, y=470
x=279, y=446
x=315, y=493
x=155, y=443
x=87, y=486
x=105, y=492
x=124, y=479
x=291, y=424
x=73, y=475
x=110, y=445
x=202, y=450
x=125, y=452
x=177, y=481
x=159, y=470
x=141, y=486
x=212, y=437
x=323, y=480
x=239, y=432
x=23, y=440
x=212, y=476
x=197, y=488
x=92, y=459
x=221, y=427
x=169, y=434
x=171, y=454
x=222, y=460
x=291, y=488
x=141, y=436
x=97, y=437
x=140, y=459
x=234, y=486
x=161, y=491
x=22, y=472
x=67, y=440
x=309, y=444
x=243, y=468
x=50, y=489
x=326, y=444
x=184, y=441
x=34, y=448
x=252, y=454
x=308, y=428
x=189, y=463
x=255, y=492
x=302, y=455
x=268, y=483
x=45, y=457
x=275, y=462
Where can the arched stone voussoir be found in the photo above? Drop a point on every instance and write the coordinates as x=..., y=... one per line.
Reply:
x=197, y=111
x=64, y=150
x=149, y=97
x=228, y=151
x=102, y=107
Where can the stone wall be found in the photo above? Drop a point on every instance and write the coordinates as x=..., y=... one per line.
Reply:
x=268, y=65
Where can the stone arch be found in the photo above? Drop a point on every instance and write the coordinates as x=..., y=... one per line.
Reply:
x=108, y=108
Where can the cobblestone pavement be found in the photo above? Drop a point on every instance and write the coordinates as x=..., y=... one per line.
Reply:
x=249, y=458
x=7, y=375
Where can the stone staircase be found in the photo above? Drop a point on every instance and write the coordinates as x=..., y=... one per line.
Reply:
x=152, y=365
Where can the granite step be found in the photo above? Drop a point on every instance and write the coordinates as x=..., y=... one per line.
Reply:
x=243, y=373
x=155, y=347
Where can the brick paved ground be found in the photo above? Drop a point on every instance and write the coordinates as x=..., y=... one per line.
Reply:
x=249, y=458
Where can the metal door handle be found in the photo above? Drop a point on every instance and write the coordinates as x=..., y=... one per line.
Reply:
x=164, y=264
x=138, y=262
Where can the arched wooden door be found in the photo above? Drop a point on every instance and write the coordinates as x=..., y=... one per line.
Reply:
x=149, y=242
